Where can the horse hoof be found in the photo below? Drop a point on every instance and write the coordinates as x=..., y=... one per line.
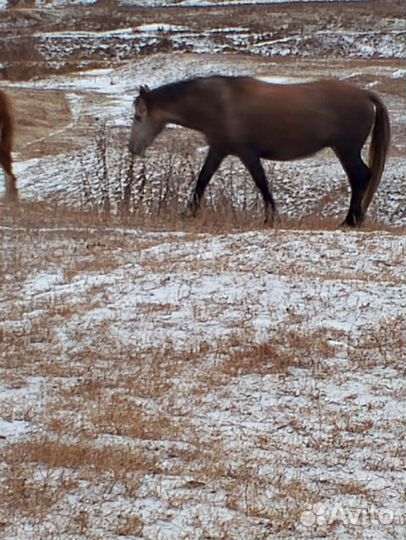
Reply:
x=351, y=222
x=12, y=199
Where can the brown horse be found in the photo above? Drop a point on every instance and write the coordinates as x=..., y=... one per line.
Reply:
x=6, y=144
x=252, y=119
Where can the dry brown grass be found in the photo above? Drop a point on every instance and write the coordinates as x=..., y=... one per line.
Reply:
x=383, y=345
x=114, y=416
x=235, y=435
x=279, y=355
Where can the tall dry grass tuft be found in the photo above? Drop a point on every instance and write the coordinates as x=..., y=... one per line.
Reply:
x=279, y=355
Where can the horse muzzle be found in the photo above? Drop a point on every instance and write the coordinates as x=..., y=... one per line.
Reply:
x=137, y=151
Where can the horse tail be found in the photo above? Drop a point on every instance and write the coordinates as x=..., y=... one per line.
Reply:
x=378, y=149
x=6, y=123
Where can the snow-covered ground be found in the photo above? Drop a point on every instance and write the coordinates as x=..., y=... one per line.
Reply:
x=4, y=4
x=258, y=381
x=199, y=380
x=130, y=42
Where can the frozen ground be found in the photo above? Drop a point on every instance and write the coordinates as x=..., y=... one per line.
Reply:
x=162, y=379
x=239, y=379
x=4, y=4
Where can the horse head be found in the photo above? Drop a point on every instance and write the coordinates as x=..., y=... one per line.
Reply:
x=147, y=122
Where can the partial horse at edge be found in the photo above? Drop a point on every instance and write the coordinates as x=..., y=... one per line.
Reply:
x=6, y=146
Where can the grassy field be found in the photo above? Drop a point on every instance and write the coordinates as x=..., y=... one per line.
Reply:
x=169, y=378
x=200, y=385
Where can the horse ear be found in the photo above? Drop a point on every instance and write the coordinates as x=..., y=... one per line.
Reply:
x=141, y=100
x=141, y=103
x=144, y=90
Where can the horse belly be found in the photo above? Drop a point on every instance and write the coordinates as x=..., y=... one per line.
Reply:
x=286, y=145
x=290, y=150
x=285, y=135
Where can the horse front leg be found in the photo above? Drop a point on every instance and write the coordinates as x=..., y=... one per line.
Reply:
x=10, y=179
x=11, y=188
x=254, y=166
x=210, y=166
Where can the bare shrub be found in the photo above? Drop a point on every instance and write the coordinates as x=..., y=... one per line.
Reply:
x=160, y=187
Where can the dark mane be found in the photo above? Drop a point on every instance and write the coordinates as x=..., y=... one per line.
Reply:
x=183, y=89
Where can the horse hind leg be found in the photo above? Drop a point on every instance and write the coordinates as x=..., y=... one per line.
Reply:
x=358, y=175
x=254, y=166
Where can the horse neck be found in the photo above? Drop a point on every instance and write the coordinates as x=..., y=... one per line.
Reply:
x=182, y=105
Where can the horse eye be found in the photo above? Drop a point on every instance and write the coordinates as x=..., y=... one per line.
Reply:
x=137, y=117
